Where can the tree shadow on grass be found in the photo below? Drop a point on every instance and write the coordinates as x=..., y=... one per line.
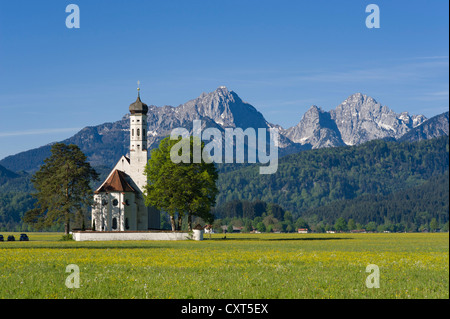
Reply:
x=313, y=238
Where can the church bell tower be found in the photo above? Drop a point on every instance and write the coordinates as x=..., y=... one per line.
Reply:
x=138, y=141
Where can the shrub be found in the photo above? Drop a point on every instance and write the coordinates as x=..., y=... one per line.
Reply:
x=66, y=237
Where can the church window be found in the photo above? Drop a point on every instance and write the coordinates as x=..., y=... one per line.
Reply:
x=138, y=131
x=132, y=132
x=114, y=223
x=115, y=202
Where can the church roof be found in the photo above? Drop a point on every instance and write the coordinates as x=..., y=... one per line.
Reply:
x=138, y=106
x=117, y=182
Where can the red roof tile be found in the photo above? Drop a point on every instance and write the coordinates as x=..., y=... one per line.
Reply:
x=117, y=182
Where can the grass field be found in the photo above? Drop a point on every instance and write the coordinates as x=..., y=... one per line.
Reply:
x=240, y=266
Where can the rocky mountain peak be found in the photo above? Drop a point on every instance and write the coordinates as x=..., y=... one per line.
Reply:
x=316, y=129
x=225, y=108
x=418, y=120
x=314, y=110
x=359, y=102
x=360, y=118
x=222, y=90
x=220, y=94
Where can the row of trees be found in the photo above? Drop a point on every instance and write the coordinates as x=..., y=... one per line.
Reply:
x=270, y=224
x=268, y=217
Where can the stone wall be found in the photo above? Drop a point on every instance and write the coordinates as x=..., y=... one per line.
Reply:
x=124, y=235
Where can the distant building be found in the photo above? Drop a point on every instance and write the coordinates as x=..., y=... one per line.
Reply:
x=303, y=230
x=209, y=229
x=235, y=229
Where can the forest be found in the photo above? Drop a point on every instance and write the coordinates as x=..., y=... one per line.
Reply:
x=379, y=185
x=316, y=178
x=420, y=208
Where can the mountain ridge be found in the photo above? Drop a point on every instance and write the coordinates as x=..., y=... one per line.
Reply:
x=358, y=119
x=436, y=126
x=6, y=174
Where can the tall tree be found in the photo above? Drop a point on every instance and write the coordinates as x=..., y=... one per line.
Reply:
x=182, y=187
x=434, y=225
x=351, y=225
x=341, y=224
x=62, y=187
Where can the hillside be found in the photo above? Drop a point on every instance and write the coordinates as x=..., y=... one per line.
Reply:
x=6, y=174
x=410, y=207
x=318, y=177
x=15, y=198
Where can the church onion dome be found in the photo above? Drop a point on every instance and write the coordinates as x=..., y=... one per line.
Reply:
x=138, y=107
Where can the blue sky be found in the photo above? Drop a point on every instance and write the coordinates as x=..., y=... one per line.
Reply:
x=280, y=56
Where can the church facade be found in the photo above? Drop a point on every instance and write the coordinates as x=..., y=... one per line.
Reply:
x=119, y=203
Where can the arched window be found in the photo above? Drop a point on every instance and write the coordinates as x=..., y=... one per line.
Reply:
x=115, y=202
x=138, y=131
x=114, y=223
x=132, y=132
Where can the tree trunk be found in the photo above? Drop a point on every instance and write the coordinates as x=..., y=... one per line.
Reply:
x=180, y=221
x=172, y=223
x=189, y=222
x=67, y=226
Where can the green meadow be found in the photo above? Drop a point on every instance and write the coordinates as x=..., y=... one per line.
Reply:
x=269, y=266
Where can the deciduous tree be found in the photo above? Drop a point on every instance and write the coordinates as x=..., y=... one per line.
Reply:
x=180, y=188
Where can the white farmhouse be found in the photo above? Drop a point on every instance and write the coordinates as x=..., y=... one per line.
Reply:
x=119, y=201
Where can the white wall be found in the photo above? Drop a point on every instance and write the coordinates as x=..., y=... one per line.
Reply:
x=101, y=236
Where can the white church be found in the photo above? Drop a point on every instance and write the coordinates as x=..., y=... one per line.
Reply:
x=119, y=203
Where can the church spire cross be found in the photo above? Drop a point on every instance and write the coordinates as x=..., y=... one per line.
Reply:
x=138, y=88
